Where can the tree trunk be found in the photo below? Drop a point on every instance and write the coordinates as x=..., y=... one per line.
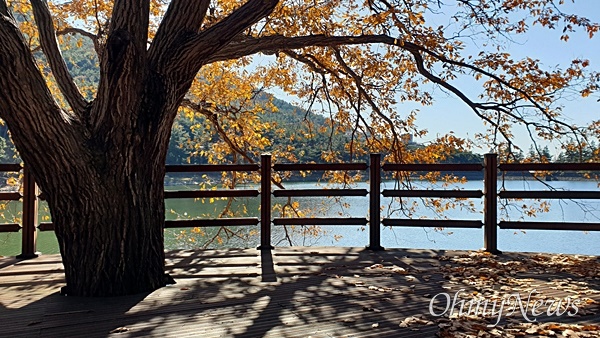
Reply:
x=101, y=163
x=110, y=231
x=109, y=226
x=101, y=169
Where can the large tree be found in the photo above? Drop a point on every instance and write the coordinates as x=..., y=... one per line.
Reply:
x=100, y=162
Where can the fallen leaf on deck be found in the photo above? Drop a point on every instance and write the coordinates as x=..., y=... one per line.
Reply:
x=120, y=330
x=375, y=266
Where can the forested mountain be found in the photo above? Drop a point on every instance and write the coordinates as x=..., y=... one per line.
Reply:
x=306, y=135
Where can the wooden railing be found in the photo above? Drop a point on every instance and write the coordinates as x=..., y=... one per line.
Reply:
x=490, y=194
x=554, y=194
x=29, y=210
x=215, y=222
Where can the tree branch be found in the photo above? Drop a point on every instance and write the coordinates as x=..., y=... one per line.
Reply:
x=4, y=8
x=182, y=19
x=132, y=16
x=273, y=44
x=177, y=66
x=82, y=32
x=320, y=68
x=36, y=122
x=49, y=44
x=474, y=106
x=358, y=82
x=74, y=30
x=123, y=67
x=211, y=115
x=195, y=50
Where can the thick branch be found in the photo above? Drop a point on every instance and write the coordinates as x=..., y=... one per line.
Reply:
x=178, y=66
x=123, y=67
x=4, y=8
x=82, y=32
x=49, y=44
x=37, y=124
x=20, y=76
x=182, y=19
x=273, y=44
x=474, y=106
x=195, y=50
x=132, y=16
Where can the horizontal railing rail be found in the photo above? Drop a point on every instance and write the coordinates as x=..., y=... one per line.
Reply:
x=490, y=194
x=10, y=167
x=10, y=196
x=319, y=192
x=211, y=193
x=212, y=222
x=10, y=227
x=549, y=225
x=436, y=193
x=321, y=221
x=430, y=167
x=442, y=223
x=205, y=168
x=548, y=194
x=433, y=193
x=319, y=166
x=549, y=167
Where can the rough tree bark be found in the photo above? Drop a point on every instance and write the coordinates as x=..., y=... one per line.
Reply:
x=101, y=163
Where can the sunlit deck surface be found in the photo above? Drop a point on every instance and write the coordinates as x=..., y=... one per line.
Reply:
x=301, y=292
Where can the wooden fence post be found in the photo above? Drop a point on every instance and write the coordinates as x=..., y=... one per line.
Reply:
x=490, y=209
x=375, y=203
x=29, y=219
x=265, y=202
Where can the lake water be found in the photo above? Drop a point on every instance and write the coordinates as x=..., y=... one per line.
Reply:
x=575, y=242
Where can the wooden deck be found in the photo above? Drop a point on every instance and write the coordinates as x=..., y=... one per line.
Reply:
x=302, y=292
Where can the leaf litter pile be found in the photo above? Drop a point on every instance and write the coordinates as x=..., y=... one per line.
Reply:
x=538, y=295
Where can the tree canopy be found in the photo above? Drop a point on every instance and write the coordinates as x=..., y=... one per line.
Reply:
x=353, y=61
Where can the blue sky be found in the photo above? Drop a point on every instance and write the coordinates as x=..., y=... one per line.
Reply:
x=450, y=114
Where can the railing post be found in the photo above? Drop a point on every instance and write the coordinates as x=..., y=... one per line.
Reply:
x=265, y=202
x=375, y=203
x=29, y=219
x=490, y=209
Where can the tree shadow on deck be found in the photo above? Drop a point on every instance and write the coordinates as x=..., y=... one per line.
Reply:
x=245, y=293
x=287, y=292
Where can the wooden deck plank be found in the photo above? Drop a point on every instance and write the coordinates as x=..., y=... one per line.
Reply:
x=287, y=292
